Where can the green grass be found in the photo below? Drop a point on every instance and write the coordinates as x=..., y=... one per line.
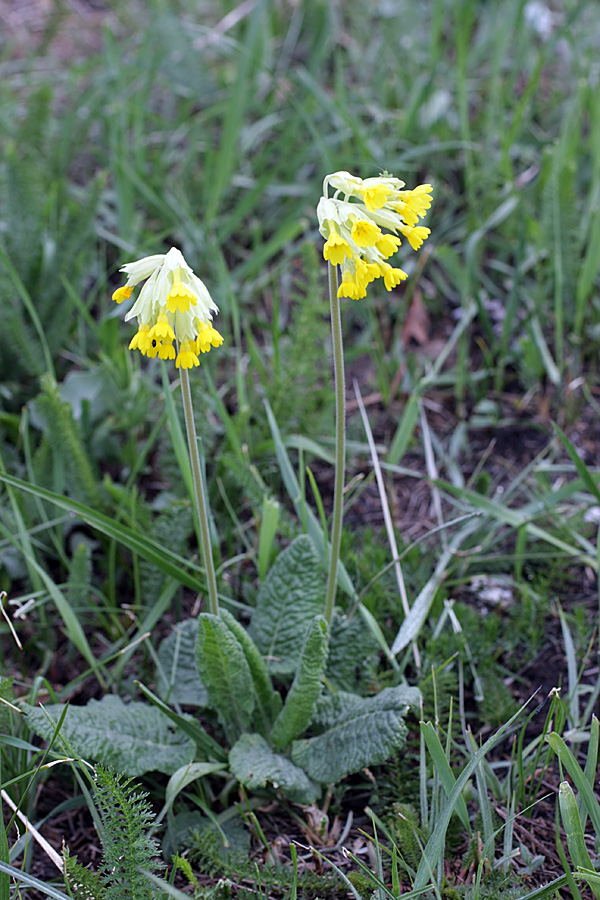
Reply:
x=213, y=132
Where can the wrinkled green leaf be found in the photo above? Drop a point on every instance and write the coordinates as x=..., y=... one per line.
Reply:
x=367, y=732
x=268, y=700
x=352, y=646
x=132, y=738
x=302, y=697
x=291, y=595
x=225, y=674
x=255, y=765
x=177, y=679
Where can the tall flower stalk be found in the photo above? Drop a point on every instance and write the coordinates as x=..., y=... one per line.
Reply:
x=352, y=223
x=340, y=442
x=174, y=306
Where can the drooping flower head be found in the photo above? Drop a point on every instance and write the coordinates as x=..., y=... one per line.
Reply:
x=173, y=305
x=352, y=223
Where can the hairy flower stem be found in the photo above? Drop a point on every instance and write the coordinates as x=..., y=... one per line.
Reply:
x=209, y=566
x=340, y=443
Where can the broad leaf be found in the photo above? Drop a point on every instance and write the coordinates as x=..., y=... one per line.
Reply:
x=352, y=653
x=292, y=594
x=302, y=697
x=225, y=674
x=255, y=765
x=132, y=738
x=366, y=732
x=177, y=679
x=268, y=701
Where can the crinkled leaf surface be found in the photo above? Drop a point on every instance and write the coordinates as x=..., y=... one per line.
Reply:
x=255, y=765
x=132, y=738
x=225, y=673
x=291, y=595
x=268, y=702
x=177, y=678
x=352, y=652
x=302, y=697
x=359, y=732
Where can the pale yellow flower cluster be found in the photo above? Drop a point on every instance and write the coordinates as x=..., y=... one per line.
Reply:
x=173, y=305
x=353, y=222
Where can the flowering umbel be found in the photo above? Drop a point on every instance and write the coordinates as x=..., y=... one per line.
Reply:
x=173, y=305
x=353, y=222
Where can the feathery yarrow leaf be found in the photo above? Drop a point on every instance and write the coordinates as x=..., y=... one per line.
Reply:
x=126, y=816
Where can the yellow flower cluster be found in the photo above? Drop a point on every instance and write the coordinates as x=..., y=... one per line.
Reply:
x=173, y=305
x=352, y=223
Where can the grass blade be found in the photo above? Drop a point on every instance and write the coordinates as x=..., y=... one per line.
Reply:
x=164, y=559
x=435, y=844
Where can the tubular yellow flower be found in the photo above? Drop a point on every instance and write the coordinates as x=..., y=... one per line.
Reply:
x=122, y=293
x=141, y=340
x=180, y=298
x=388, y=245
x=375, y=196
x=392, y=277
x=336, y=249
x=366, y=273
x=351, y=287
x=352, y=222
x=207, y=337
x=173, y=305
x=186, y=358
x=365, y=233
x=166, y=350
x=162, y=329
x=416, y=235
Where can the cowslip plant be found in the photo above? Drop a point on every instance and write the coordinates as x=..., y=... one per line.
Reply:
x=299, y=737
x=175, y=305
x=352, y=223
x=268, y=733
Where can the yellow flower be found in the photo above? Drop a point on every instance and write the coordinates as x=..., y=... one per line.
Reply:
x=375, y=196
x=365, y=233
x=392, y=277
x=366, y=273
x=122, y=293
x=141, y=340
x=414, y=204
x=166, y=350
x=350, y=287
x=207, y=337
x=180, y=298
x=186, y=358
x=336, y=249
x=162, y=329
x=361, y=225
x=388, y=245
x=415, y=235
x=173, y=305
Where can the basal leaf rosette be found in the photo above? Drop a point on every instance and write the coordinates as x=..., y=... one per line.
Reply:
x=362, y=223
x=173, y=305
